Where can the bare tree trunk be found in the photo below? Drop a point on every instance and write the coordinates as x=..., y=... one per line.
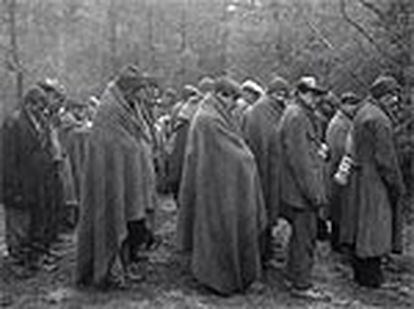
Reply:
x=14, y=48
x=112, y=17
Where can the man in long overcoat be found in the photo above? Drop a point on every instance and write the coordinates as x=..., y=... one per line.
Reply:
x=377, y=179
x=260, y=132
x=302, y=185
x=221, y=204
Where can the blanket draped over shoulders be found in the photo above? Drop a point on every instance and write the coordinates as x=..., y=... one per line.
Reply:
x=221, y=204
x=118, y=184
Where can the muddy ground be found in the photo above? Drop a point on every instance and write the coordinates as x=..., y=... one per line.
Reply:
x=168, y=283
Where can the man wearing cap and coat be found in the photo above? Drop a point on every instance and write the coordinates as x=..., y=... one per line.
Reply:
x=221, y=204
x=118, y=184
x=302, y=185
x=337, y=135
x=260, y=132
x=377, y=180
x=27, y=166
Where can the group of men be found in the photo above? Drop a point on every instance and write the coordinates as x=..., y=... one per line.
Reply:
x=237, y=159
x=253, y=157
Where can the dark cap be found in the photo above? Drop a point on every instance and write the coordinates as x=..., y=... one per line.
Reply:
x=227, y=85
x=350, y=98
x=278, y=84
x=384, y=85
x=130, y=78
x=308, y=84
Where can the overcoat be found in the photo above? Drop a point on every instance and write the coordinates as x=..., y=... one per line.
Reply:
x=377, y=181
x=302, y=184
x=260, y=132
x=336, y=135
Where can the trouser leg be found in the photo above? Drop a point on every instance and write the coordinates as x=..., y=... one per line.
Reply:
x=367, y=271
x=301, y=248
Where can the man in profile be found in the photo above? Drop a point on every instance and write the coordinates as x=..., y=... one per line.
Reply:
x=302, y=185
x=118, y=194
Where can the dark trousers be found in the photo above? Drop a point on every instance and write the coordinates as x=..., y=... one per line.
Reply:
x=138, y=235
x=265, y=241
x=302, y=246
x=367, y=271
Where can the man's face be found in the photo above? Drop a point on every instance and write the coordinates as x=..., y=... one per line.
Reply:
x=391, y=103
x=228, y=99
x=309, y=98
x=280, y=96
x=250, y=96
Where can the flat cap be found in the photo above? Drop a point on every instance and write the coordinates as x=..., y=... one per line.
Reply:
x=384, y=85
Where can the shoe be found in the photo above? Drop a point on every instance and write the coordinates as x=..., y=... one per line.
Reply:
x=311, y=294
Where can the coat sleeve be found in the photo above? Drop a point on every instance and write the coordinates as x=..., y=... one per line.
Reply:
x=386, y=159
x=302, y=163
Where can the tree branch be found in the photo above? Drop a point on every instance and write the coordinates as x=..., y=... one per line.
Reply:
x=399, y=39
x=365, y=34
x=331, y=47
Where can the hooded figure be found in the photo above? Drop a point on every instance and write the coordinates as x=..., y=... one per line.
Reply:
x=118, y=184
x=221, y=204
x=376, y=182
x=260, y=132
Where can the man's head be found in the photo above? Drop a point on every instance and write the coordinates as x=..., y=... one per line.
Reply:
x=349, y=103
x=387, y=92
x=36, y=102
x=227, y=90
x=251, y=91
x=169, y=97
x=189, y=91
x=78, y=109
x=206, y=84
x=308, y=91
x=279, y=89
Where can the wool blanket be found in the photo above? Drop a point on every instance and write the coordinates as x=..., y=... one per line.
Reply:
x=119, y=185
x=221, y=203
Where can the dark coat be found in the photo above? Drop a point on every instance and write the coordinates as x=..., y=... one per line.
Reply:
x=30, y=173
x=302, y=172
x=377, y=181
x=260, y=132
x=221, y=204
x=336, y=136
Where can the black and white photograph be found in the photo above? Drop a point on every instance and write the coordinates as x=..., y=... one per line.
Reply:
x=206, y=154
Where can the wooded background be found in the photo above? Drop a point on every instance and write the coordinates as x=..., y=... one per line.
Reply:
x=345, y=43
